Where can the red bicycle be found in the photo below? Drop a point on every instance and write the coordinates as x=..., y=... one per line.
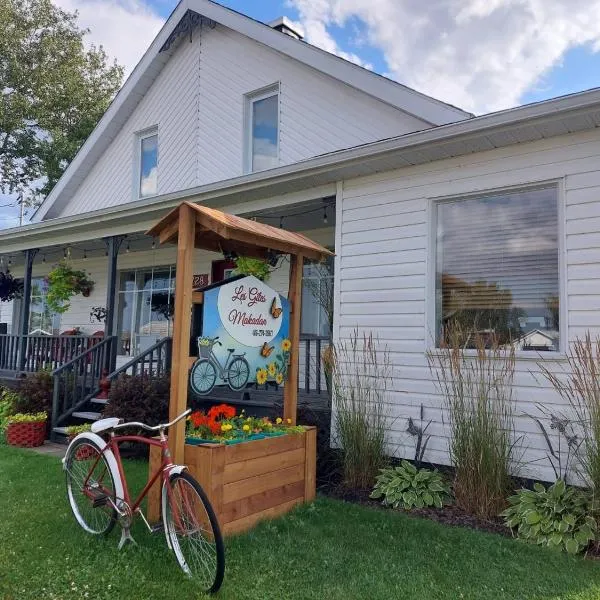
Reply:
x=99, y=497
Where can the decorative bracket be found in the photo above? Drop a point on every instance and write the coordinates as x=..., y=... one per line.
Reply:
x=188, y=23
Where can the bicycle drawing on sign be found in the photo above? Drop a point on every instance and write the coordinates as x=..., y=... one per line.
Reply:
x=235, y=371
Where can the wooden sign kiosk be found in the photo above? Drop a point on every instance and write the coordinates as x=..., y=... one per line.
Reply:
x=257, y=479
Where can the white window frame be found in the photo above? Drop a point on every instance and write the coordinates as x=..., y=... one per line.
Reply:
x=430, y=304
x=139, y=136
x=249, y=99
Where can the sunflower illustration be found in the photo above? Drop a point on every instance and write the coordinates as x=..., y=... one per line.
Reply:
x=272, y=368
x=279, y=378
x=261, y=376
x=286, y=345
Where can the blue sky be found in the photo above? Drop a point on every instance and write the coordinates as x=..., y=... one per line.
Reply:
x=481, y=55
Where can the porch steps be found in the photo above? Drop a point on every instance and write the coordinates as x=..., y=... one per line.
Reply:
x=60, y=430
x=101, y=401
x=87, y=415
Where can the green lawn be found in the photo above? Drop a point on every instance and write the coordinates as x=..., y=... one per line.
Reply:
x=330, y=550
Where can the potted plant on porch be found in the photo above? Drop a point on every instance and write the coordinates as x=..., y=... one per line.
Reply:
x=64, y=282
x=11, y=288
x=26, y=430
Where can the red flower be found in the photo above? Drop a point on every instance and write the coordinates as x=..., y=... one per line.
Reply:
x=198, y=419
x=223, y=411
x=214, y=427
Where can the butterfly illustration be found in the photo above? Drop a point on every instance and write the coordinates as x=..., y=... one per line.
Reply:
x=266, y=350
x=275, y=312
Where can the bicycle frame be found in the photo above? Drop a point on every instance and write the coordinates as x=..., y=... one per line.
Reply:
x=221, y=370
x=164, y=469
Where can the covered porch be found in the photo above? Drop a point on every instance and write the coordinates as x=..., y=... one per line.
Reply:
x=134, y=290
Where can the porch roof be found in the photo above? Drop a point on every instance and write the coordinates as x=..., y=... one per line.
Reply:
x=218, y=231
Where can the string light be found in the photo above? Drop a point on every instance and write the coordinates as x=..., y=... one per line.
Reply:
x=84, y=254
x=153, y=244
x=280, y=222
x=68, y=251
x=128, y=248
x=44, y=259
x=64, y=253
x=325, y=215
x=10, y=261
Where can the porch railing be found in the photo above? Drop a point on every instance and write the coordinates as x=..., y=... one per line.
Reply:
x=154, y=362
x=35, y=352
x=77, y=381
x=312, y=375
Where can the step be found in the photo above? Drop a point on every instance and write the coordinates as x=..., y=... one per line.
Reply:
x=88, y=415
x=102, y=401
x=60, y=430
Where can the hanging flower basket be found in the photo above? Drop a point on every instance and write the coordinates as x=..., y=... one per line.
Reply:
x=26, y=430
x=64, y=282
x=10, y=287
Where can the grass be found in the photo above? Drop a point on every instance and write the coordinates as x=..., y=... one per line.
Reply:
x=327, y=550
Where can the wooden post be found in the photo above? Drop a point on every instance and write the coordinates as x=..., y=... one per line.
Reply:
x=25, y=306
x=181, y=329
x=290, y=390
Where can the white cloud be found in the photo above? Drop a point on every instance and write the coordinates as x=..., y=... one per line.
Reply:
x=481, y=55
x=124, y=27
x=149, y=183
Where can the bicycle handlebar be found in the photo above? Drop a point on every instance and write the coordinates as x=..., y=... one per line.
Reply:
x=156, y=427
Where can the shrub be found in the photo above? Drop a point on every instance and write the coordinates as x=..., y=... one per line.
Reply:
x=477, y=392
x=556, y=517
x=581, y=389
x=8, y=399
x=410, y=487
x=28, y=417
x=35, y=393
x=139, y=398
x=74, y=430
x=361, y=377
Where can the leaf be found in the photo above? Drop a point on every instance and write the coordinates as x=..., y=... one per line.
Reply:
x=538, y=487
x=572, y=546
x=533, y=517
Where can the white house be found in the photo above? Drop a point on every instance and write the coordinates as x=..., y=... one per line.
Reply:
x=430, y=210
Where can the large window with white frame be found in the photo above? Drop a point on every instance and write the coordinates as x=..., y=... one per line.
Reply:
x=262, y=129
x=147, y=163
x=497, y=269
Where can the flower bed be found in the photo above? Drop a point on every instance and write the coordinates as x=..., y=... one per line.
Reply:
x=248, y=476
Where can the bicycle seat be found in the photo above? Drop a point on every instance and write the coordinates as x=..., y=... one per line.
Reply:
x=230, y=350
x=104, y=424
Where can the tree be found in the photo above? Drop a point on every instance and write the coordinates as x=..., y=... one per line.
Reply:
x=53, y=91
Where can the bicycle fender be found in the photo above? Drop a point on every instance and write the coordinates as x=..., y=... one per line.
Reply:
x=110, y=459
x=177, y=469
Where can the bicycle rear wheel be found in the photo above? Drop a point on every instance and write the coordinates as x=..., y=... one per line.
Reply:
x=90, y=487
x=193, y=532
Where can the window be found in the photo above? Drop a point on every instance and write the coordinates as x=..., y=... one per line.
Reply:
x=262, y=130
x=148, y=164
x=497, y=270
x=146, y=301
x=317, y=298
x=41, y=320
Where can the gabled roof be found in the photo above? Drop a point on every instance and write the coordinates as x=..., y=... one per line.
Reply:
x=222, y=232
x=395, y=94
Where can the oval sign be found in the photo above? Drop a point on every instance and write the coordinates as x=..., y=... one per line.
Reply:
x=250, y=311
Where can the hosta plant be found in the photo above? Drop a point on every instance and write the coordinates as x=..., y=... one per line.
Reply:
x=557, y=517
x=408, y=487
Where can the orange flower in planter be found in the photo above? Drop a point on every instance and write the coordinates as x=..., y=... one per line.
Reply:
x=223, y=411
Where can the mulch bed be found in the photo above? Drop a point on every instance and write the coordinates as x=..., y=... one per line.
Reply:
x=449, y=515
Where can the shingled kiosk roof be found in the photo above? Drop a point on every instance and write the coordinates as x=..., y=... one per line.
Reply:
x=221, y=232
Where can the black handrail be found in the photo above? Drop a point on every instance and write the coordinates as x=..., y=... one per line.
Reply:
x=155, y=361
x=77, y=380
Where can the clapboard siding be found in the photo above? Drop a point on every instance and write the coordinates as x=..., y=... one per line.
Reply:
x=197, y=102
x=383, y=258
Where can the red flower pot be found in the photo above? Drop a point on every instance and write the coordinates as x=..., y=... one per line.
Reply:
x=26, y=435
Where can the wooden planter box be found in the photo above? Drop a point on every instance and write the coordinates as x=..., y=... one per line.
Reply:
x=250, y=481
x=26, y=435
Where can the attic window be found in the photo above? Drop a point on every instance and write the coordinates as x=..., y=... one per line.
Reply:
x=148, y=163
x=262, y=129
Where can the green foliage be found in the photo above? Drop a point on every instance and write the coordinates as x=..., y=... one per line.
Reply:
x=361, y=377
x=54, y=91
x=8, y=400
x=64, y=282
x=410, y=487
x=558, y=517
x=74, y=430
x=139, y=398
x=252, y=266
x=28, y=417
x=35, y=393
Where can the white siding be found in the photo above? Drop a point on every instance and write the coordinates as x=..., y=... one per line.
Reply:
x=383, y=260
x=197, y=102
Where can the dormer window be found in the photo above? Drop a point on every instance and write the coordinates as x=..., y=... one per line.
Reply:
x=262, y=129
x=148, y=163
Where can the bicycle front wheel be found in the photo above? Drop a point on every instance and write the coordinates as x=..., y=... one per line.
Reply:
x=203, y=376
x=238, y=374
x=193, y=532
x=90, y=487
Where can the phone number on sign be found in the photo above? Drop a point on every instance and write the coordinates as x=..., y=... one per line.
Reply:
x=262, y=332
